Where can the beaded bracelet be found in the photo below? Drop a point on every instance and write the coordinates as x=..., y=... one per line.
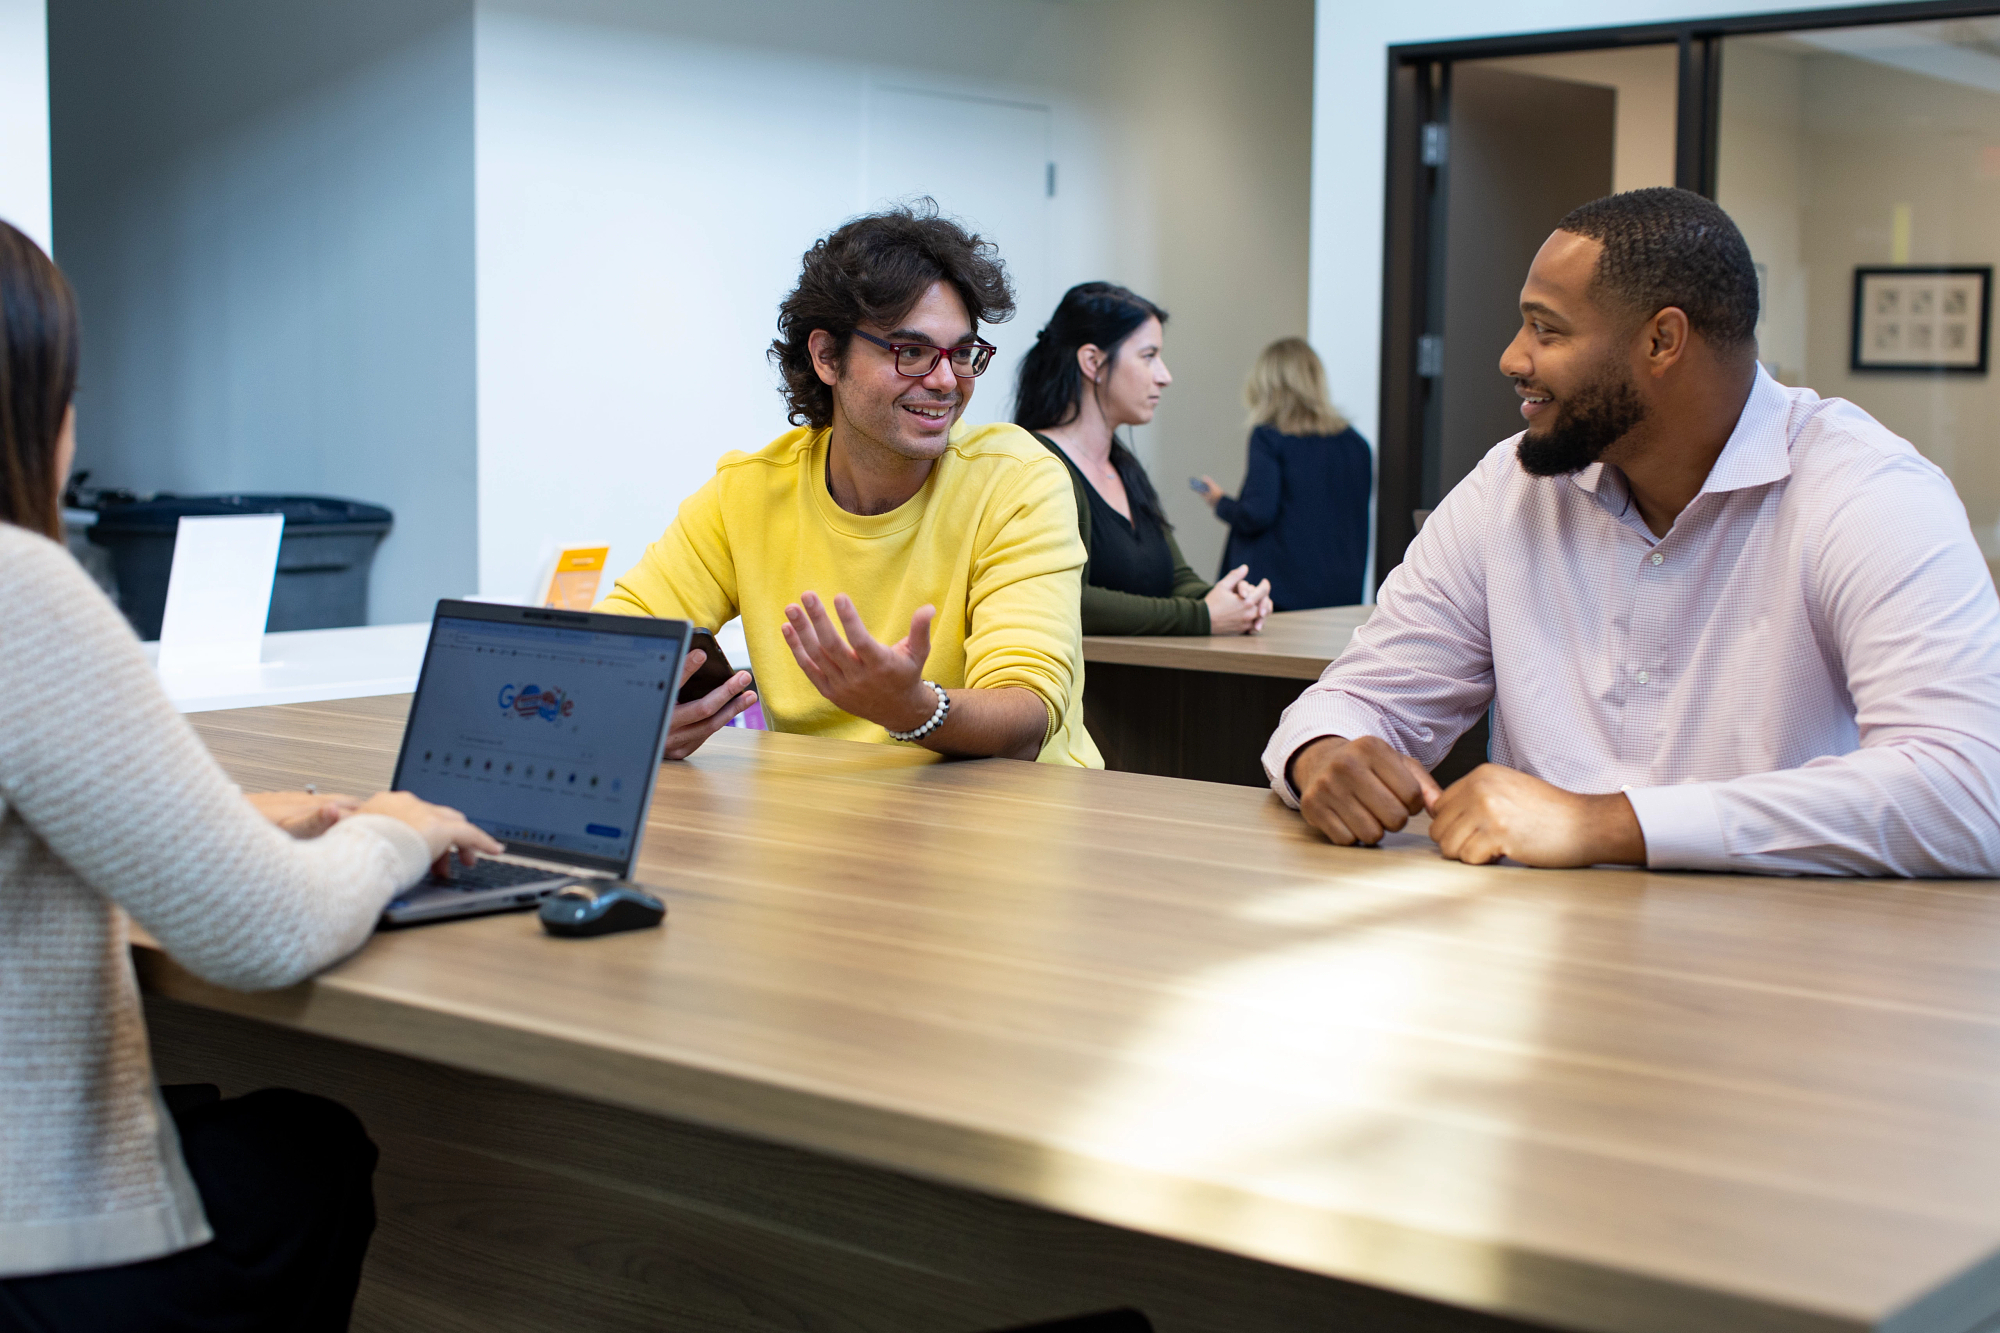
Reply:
x=937, y=718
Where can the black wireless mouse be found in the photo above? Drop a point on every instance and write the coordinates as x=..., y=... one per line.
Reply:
x=599, y=907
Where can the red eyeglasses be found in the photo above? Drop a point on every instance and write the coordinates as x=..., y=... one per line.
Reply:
x=916, y=360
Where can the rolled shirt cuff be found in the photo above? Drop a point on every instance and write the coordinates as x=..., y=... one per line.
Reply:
x=1681, y=825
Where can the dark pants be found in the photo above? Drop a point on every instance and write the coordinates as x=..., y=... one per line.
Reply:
x=285, y=1180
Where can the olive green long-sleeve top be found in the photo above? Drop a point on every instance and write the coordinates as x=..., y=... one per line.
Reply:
x=1109, y=611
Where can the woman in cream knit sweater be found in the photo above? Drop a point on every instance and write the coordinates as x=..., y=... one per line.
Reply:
x=110, y=806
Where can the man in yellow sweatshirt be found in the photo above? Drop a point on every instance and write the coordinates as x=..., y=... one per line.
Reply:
x=901, y=576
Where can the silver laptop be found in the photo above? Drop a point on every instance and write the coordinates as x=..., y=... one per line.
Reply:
x=546, y=729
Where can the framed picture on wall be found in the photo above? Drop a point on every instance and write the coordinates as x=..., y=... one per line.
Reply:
x=1918, y=318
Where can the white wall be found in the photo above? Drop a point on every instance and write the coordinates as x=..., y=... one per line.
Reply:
x=24, y=119
x=1350, y=97
x=267, y=212
x=648, y=177
x=1216, y=115
x=645, y=192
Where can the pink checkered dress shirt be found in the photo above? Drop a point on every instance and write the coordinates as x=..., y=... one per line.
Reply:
x=1801, y=677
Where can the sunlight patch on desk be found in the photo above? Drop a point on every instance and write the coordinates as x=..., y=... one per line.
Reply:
x=1346, y=1068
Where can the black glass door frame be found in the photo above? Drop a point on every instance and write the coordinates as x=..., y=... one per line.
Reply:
x=1418, y=178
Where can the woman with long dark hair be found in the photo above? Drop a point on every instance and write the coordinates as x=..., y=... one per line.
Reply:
x=1094, y=368
x=125, y=1207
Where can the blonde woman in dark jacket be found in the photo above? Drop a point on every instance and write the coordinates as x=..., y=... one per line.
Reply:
x=1301, y=519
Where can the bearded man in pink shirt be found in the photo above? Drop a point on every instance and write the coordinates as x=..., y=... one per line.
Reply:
x=1722, y=624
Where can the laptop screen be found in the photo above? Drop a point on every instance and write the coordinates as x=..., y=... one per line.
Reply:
x=543, y=735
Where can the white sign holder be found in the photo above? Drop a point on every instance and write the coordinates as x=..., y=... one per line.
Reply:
x=219, y=593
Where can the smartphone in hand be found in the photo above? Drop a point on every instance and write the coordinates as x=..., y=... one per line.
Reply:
x=1195, y=485
x=711, y=673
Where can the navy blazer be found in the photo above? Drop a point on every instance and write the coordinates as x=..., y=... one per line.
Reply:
x=1301, y=519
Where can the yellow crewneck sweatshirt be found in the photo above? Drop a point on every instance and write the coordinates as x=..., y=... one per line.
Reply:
x=990, y=540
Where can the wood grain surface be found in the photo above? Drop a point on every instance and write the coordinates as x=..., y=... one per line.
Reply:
x=1595, y=1099
x=1293, y=644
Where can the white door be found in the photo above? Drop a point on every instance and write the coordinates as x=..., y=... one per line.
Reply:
x=986, y=162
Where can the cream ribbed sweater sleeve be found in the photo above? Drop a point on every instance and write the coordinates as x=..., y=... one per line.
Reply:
x=99, y=765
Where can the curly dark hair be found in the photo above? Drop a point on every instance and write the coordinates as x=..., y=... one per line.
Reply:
x=873, y=270
x=1666, y=247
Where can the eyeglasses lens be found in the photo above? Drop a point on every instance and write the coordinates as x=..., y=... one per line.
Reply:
x=918, y=361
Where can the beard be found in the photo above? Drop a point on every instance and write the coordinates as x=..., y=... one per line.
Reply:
x=1593, y=419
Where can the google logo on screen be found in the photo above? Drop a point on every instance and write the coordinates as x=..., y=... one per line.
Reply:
x=550, y=704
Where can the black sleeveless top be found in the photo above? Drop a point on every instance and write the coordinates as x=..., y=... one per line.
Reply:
x=1125, y=556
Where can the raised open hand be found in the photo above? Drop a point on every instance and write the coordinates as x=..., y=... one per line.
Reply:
x=858, y=673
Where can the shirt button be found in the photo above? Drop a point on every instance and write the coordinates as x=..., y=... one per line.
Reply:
x=1657, y=557
x=1645, y=678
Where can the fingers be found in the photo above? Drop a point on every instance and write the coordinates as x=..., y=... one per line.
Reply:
x=324, y=818
x=1232, y=578
x=834, y=653
x=803, y=629
x=1369, y=807
x=478, y=839
x=1367, y=787
x=799, y=637
x=1339, y=810
x=859, y=639
x=1396, y=774
x=691, y=664
x=698, y=710
x=1463, y=828
x=1428, y=790
x=919, y=642
x=465, y=837
x=687, y=737
x=1330, y=824
x=1464, y=837
x=695, y=721
x=827, y=659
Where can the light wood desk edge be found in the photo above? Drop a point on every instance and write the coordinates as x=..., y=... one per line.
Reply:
x=1469, y=1272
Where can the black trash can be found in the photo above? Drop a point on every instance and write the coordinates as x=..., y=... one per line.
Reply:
x=323, y=564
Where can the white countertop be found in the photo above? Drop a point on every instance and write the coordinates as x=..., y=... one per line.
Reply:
x=308, y=665
x=304, y=666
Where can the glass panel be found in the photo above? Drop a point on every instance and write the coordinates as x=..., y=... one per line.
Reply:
x=1854, y=149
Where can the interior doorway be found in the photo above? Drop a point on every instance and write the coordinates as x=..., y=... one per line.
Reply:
x=1500, y=147
x=1496, y=216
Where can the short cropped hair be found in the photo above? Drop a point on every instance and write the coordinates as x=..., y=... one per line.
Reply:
x=1665, y=247
x=874, y=270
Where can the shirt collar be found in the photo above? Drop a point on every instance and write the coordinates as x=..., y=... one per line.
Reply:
x=1758, y=452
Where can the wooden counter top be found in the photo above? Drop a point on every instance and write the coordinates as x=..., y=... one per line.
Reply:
x=1600, y=1099
x=1293, y=644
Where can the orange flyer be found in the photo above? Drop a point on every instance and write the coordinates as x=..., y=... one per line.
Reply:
x=573, y=584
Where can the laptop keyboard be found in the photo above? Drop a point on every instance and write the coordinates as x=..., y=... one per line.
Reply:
x=489, y=874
